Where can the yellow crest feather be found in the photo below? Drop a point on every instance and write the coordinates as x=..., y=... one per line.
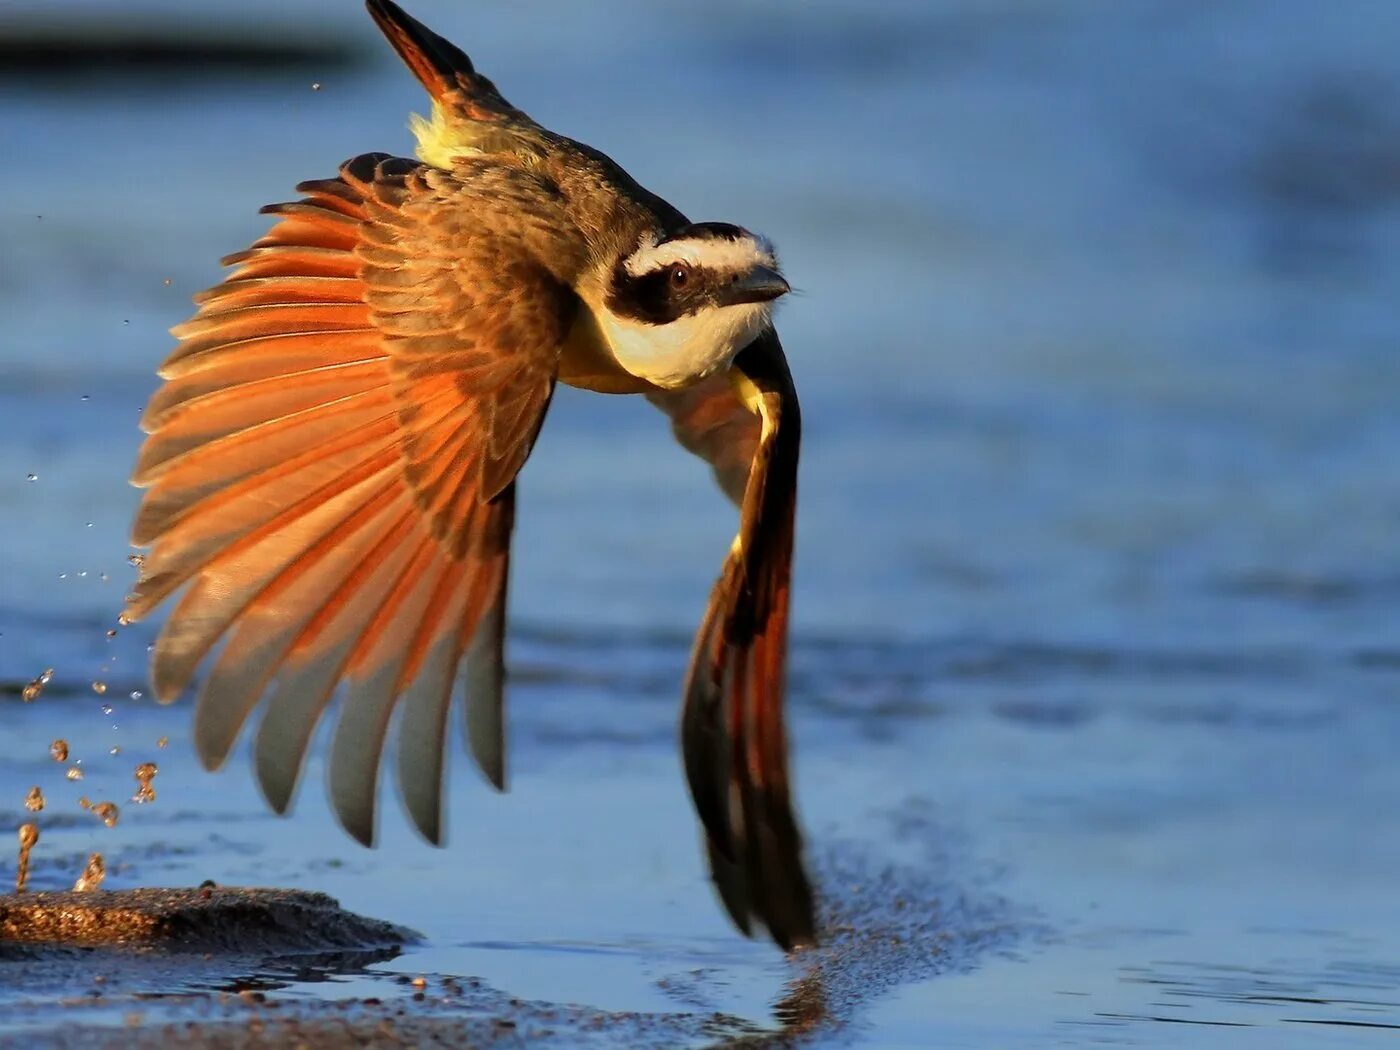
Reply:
x=441, y=140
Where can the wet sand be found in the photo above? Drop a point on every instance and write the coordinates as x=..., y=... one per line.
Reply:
x=211, y=967
x=212, y=919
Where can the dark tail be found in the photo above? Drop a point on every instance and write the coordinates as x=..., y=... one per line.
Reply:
x=441, y=66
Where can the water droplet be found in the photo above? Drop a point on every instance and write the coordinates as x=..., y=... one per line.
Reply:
x=92, y=875
x=163, y=742
x=136, y=694
x=35, y=689
x=112, y=632
x=145, y=773
x=31, y=477
x=316, y=86
x=166, y=282
x=114, y=749
x=28, y=838
x=34, y=801
x=107, y=812
x=106, y=708
x=74, y=773
x=123, y=621
x=138, y=559
x=58, y=750
x=99, y=688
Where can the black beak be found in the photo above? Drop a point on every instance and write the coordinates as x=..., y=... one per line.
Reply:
x=760, y=285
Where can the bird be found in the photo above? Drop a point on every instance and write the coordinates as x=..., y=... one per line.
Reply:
x=330, y=465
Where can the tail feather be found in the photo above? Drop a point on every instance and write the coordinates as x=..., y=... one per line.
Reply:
x=434, y=61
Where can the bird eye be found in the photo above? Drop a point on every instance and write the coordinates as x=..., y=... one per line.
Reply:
x=680, y=275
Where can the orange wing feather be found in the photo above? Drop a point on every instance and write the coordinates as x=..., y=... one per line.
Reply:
x=330, y=474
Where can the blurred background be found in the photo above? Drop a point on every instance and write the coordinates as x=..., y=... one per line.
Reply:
x=1098, y=584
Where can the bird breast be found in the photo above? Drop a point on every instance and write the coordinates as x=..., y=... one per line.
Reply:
x=682, y=351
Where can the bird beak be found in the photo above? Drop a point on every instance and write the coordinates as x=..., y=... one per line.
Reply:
x=759, y=285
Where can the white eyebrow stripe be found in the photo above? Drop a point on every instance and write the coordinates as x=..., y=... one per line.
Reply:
x=711, y=253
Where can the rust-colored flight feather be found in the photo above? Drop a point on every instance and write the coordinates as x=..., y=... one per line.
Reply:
x=329, y=473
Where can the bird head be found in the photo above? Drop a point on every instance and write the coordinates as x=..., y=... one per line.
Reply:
x=682, y=305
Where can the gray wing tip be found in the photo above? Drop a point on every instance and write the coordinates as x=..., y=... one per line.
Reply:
x=359, y=826
x=276, y=791
x=426, y=817
x=211, y=752
x=491, y=761
x=484, y=683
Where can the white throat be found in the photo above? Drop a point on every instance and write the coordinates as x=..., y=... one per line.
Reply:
x=687, y=349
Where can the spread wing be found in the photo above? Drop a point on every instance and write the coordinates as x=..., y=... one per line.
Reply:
x=330, y=472
x=732, y=731
x=709, y=419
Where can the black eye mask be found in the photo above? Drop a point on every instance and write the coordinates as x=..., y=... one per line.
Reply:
x=655, y=298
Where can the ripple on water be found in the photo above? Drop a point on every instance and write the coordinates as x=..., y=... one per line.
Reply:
x=1335, y=992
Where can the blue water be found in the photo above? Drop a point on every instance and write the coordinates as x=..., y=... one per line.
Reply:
x=1098, y=570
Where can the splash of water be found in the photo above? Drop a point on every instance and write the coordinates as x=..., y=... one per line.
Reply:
x=35, y=689
x=92, y=875
x=145, y=773
x=28, y=836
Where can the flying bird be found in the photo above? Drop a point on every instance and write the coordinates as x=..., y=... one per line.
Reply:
x=330, y=464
